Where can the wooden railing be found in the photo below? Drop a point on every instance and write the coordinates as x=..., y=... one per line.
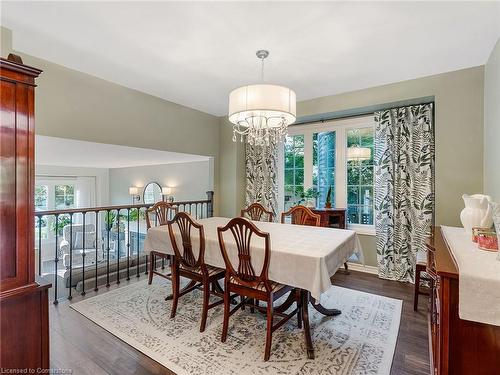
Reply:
x=97, y=245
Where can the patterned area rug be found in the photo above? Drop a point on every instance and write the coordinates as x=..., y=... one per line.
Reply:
x=359, y=341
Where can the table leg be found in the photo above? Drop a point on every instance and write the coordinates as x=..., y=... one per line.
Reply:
x=323, y=310
x=217, y=287
x=304, y=306
x=188, y=287
x=292, y=297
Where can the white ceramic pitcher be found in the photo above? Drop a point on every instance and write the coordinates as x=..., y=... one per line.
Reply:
x=477, y=212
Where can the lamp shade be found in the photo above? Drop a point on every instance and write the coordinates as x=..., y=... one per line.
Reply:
x=133, y=190
x=252, y=103
x=358, y=153
x=166, y=190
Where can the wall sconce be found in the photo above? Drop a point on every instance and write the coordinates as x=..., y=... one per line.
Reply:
x=134, y=192
x=166, y=191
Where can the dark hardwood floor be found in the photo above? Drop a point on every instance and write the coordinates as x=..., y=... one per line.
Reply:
x=85, y=348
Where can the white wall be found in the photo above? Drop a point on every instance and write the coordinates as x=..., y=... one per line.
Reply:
x=492, y=124
x=190, y=181
x=101, y=176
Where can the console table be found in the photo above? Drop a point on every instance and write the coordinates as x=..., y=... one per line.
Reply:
x=332, y=217
x=457, y=347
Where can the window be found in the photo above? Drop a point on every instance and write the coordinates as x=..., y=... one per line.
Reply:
x=41, y=204
x=319, y=156
x=59, y=193
x=360, y=178
x=64, y=196
x=41, y=197
x=324, y=165
x=294, y=170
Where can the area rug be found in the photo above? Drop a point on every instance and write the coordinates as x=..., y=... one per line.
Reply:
x=359, y=341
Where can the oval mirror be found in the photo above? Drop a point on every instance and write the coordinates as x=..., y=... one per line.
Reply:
x=152, y=193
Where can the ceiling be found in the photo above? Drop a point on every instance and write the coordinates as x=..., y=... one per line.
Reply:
x=71, y=153
x=194, y=53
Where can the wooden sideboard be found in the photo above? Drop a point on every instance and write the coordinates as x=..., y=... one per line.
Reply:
x=24, y=342
x=332, y=217
x=458, y=347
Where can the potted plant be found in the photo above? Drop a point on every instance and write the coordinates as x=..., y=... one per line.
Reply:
x=328, y=201
x=61, y=223
x=309, y=197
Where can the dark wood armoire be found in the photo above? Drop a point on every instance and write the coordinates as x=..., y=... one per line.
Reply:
x=24, y=335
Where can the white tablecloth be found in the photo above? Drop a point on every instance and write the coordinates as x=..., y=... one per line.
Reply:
x=479, y=278
x=301, y=256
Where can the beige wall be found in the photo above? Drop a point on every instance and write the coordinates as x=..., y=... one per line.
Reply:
x=492, y=124
x=232, y=171
x=459, y=134
x=71, y=104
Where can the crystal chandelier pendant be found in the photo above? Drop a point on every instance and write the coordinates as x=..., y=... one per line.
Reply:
x=262, y=112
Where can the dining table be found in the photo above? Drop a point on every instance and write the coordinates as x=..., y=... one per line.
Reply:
x=304, y=257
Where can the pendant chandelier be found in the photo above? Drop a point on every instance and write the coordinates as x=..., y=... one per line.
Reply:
x=261, y=112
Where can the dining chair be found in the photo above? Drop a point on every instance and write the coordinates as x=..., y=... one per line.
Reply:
x=242, y=279
x=191, y=264
x=161, y=212
x=256, y=211
x=301, y=215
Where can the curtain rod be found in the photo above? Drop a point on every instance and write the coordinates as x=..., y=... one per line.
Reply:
x=331, y=118
x=359, y=112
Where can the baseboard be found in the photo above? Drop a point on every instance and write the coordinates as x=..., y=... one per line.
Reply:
x=363, y=268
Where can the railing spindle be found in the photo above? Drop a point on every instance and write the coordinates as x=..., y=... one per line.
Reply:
x=118, y=252
x=96, y=248
x=83, y=254
x=70, y=255
x=39, y=245
x=108, y=228
x=56, y=260
x=128, y=243
x=137, y=249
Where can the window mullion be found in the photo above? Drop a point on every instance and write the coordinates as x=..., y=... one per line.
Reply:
x=340, y=168
x=281, y=177
x=308, y=160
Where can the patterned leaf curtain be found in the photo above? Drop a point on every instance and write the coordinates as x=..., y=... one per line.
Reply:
x=261, y=164
x=404, y=194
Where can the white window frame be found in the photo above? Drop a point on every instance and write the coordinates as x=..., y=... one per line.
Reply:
x=341, y=127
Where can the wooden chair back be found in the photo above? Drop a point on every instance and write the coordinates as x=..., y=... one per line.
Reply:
x=187, y=257
x=161, y=210
x=256, y=211
x=302, y=215
x=242, y=230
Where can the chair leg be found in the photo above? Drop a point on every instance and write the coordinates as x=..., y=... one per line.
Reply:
x=206, y=300
x=252, y=309
x=225, y=323
x=175, y=290
x=346, y=268
x=150, y=279
x=242, y=300
x=269, y=333
x=417, y=289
